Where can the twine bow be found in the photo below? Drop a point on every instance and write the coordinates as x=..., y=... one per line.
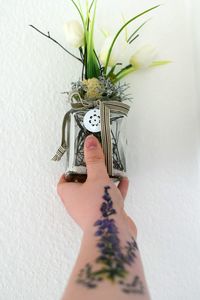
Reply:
x=106, y=107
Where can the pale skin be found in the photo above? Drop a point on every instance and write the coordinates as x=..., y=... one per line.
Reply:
x=83, y=202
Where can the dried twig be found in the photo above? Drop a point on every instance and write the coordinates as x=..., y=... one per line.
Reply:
x=48, y=36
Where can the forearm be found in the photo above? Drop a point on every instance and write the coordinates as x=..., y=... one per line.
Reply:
x=83, y=285
x=109, y=264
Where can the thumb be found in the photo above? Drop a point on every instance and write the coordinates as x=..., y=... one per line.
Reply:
x=94, y=158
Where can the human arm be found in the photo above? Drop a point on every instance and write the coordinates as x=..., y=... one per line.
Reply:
x=109, y=263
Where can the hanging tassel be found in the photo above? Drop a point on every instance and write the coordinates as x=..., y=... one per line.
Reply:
x=60, y=152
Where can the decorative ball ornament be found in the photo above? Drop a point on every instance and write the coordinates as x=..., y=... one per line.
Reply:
x=92, y=120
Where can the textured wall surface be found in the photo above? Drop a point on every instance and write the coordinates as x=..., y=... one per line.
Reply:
x=38, y=241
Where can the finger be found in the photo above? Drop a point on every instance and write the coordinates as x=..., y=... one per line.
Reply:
x=61, y=184
x=94, y=158
x=123, y=186
x=66, y=187
x=62, y=179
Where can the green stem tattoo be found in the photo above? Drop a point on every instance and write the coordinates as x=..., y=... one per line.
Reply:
x=112, y=260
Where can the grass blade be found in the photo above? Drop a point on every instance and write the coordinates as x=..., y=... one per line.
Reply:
x=92, y=63
x=79, y=11
x=91, y=5
x=130, y=39
x=134, y=39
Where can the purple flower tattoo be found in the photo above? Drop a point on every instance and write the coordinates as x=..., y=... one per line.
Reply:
x=112, y=259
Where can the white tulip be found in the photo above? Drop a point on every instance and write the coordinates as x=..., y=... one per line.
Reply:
x=116, y=54
x=74, y=33
x=144, y=57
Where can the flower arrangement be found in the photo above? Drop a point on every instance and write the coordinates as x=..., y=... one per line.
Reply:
x=98, y=97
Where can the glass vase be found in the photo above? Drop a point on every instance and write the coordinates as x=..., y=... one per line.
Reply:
x=75, y=136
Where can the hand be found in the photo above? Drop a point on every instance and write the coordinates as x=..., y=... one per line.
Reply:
x=83, y=200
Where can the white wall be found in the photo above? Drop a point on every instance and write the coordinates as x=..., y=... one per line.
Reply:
x=193, y=18
x=194, y=8
x=38, y=241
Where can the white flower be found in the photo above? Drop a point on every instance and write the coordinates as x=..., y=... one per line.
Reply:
x=74, y=33
x=116, y=54
x=144, y=57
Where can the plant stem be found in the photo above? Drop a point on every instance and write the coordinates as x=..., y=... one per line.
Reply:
x=124, y=73
x=122, y=70
x=111, y=72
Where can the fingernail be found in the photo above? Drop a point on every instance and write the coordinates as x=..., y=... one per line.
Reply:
x=91, y=142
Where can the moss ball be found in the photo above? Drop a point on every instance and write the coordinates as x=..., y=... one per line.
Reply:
x=93, y=88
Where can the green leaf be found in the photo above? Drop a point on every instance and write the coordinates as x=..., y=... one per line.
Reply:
x=131, y=37
x=121, y=29
x=111, y=73
x=124, y=72
x=92, y=3
x=124, y=69
x=92, y=63
x=79, y=11
x=160, y=63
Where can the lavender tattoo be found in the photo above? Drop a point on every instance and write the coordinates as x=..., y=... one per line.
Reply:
x=112, y=260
